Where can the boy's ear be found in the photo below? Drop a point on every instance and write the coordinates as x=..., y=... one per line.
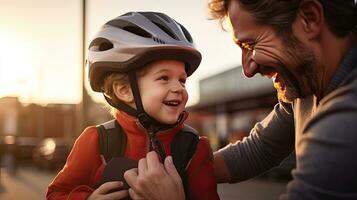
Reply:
x=123, y=92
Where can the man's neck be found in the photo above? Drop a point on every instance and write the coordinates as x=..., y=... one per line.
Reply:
x=332, y=51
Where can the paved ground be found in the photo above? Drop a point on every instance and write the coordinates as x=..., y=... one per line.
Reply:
x=27, y=183
x=252, y=190
x=31, y=183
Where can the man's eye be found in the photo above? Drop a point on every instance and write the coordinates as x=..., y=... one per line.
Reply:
x=248, y=46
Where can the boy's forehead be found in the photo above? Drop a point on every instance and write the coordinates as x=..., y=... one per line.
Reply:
x=165, y=65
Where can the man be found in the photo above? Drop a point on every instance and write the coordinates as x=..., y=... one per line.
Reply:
x=309, y=49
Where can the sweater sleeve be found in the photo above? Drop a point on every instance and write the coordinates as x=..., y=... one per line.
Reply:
x=202, y=182
x=77, y=178
x=269, y=142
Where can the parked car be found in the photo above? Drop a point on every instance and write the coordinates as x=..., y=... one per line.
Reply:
x=24, y=147
x=51, y=153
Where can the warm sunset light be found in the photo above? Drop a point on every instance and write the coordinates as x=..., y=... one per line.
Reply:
x=17, y=74
x=40, y=57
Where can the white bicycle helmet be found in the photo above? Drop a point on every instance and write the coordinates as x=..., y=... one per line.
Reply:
x=135, y=39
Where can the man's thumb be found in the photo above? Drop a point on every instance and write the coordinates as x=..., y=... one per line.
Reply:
x=171, y=169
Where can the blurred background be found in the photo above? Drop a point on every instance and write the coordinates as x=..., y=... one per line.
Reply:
x=45, y=101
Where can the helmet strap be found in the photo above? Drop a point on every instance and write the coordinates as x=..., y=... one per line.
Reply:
x=136, y=92
x=122, y=106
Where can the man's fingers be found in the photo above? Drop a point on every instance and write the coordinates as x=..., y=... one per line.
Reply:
x=171, y=169
x=152, y=160
x=142, y=166
x=106, y=187
x=117, y=195
x=130, y=176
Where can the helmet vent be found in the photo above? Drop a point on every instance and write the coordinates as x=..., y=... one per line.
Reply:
x=186, y=33
x=163, y=16
x=100, y=44
x=158, y=40
x=166, y=30
x=162, y=21
x=137, y=31
x=130, y=27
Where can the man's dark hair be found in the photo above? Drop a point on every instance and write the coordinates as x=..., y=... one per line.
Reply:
x=341, y=15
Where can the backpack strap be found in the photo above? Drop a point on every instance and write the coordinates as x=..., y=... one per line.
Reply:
x=112, y=143
x=112, y=140
x=183, y=146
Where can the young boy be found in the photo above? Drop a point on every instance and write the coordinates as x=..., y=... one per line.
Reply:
x=140, y=61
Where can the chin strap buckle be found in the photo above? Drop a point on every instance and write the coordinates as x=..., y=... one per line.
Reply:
x=144, y=120
x=157, y=146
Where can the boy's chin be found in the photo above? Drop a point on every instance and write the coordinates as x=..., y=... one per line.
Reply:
x=168, y=121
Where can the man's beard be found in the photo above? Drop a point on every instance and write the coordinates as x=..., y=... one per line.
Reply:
x=306, y=66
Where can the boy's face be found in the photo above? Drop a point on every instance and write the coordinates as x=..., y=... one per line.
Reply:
x=162, y=89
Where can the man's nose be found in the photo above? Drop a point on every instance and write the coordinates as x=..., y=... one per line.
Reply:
x=249, y=66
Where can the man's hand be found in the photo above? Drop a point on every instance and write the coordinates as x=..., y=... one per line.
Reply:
x=103, y=191
x=155, y=181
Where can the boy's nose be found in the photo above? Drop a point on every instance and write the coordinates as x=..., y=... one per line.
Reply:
x=177, y=87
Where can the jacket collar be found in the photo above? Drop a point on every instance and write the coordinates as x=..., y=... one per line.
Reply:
x=131, y=125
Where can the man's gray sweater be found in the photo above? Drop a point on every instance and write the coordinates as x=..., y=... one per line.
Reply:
x=323, y=135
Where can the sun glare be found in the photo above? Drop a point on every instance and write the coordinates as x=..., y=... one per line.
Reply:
x=16, y=71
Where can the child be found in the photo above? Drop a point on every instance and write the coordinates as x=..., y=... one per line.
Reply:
x=140, y=61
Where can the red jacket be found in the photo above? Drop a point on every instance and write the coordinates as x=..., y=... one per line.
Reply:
x=84, y=166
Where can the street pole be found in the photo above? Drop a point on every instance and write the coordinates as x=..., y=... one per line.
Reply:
x=81, y=106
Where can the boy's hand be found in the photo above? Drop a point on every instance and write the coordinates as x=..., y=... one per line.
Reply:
x=102, y=191
x=155, y=181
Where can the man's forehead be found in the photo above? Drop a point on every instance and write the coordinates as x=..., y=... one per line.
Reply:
x=231, y=28
x=240, y=23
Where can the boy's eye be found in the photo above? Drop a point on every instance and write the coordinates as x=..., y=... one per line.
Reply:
x=164, y=78
x=183, y=82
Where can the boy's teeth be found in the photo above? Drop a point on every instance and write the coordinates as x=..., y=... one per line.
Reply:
x=172, y=103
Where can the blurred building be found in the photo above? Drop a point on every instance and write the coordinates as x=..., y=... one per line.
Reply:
x=36, y=121
x=230, y=104
x=52, y=120
x=23, y=127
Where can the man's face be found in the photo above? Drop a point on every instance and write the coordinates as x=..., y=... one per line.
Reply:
x=288, y=62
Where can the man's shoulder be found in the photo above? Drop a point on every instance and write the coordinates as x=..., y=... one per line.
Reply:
x=344, y=96
x=338, y=110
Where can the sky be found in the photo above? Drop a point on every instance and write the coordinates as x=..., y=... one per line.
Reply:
x=41, y=44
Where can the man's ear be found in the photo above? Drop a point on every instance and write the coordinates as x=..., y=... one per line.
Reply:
x=123, y=92
x=310, y=18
